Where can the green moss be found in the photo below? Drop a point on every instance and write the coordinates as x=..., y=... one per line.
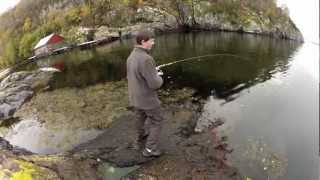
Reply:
x=26, y=171
x=16, y=169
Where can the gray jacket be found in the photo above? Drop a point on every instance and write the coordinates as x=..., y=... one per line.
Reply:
x=143, y=80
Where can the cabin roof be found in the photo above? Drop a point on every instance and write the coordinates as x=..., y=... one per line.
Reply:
x=44, y=41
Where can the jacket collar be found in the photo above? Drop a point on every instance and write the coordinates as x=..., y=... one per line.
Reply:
x=142, y=49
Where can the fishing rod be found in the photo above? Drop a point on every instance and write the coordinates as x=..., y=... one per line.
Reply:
x=198, y=57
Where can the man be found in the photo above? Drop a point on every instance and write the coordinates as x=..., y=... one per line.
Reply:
x=143, y=81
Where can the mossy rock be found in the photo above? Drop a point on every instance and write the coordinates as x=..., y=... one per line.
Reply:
x=14, y=168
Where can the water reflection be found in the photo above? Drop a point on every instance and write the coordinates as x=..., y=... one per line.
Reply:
x=89, y=67
x=282, y=114
x=270, y=165
x=270, y=98
x=226, y=76
x=35, y=137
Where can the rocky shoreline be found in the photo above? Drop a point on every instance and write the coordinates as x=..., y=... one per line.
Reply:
x=18, y=87
x=188, y=154
x=205, y=154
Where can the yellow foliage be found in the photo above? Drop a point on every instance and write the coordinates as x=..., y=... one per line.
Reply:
x=27, y=25
x=85, y=11
x=25, y=172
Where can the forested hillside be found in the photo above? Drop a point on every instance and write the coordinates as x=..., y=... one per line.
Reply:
x=23, y=26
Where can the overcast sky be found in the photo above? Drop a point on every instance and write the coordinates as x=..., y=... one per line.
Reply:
x=305, y=14
x=7, y=4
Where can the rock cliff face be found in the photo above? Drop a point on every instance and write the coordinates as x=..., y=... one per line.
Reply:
x=160, y=21
x=178, y=15
x=246, y=20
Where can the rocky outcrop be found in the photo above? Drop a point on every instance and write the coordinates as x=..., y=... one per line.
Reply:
x=159, y=21
x=17, y=88
x=180, y=15
x=16, y=163
x=255, y=23
x=147, y=18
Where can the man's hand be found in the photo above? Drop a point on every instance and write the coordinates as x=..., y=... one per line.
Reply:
x=160, y=73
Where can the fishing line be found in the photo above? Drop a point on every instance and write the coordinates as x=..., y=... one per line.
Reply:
x=203, y=56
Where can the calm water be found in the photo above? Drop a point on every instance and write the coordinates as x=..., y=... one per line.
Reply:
x=268, y=97
x=46, y=140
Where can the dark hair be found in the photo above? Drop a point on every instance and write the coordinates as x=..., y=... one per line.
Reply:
x=143, y=36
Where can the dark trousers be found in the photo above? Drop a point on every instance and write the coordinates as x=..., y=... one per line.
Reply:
x=149, y=123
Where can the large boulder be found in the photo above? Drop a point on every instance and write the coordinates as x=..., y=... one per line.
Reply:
x=17, y=88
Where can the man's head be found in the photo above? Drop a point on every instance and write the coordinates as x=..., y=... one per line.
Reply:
x=145, y=40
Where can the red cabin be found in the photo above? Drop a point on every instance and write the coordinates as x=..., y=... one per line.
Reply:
x=48, y=44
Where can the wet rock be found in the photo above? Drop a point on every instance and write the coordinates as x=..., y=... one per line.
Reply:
x=6, y=109
x=71, y=168
x=4, y=145
x=12, y=79
x=91, y=107
x=16, y=163
x=184, y=150
x=125, y=158
x=51, y=167
x=163, y=168
x=13, y=167
x=187, y=129
x=17, y=88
